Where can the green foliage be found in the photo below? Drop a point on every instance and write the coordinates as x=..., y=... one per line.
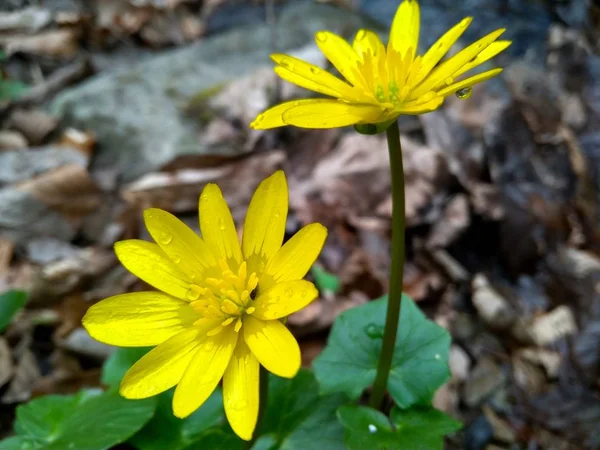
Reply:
x=10, y=303
x=119, y=362
x=325, y=281
x=413, y=429
x=167, y=431
x=349, y=362
x=90, y=420
x=297, y=417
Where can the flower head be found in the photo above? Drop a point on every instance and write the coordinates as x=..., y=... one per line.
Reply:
x=218, y=309
x=380, y=83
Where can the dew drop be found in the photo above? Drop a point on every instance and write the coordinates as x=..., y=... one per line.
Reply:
x=438, y=356
x=192, y=294
x=296, y=103
x=165, y=238
x=449, y=81
x=372, y=428
x=374, y=331
x=464, y=93
x=259, y=119
x=315, y=70
x=321, y=36
x=176, y=259
x=221, y=225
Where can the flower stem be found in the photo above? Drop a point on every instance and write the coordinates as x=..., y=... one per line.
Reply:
x=397, y=267
x=262, y=405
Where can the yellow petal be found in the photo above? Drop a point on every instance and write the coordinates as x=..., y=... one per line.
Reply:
x=295, y=258
x=265, y=221
x=216, y=224
x=273, y=345
x=311, y=77
x=438, y=50
x=331, y=114
x=241, y=391
x=366, y=42
x=339, y=53
x=204, y=372
x=446, y=70
x=492, y=50
x=138, y=319
x=468, y=82
x=404, y=34
x=184, y=247
x=148, y=262
x=273, y=117
x=422, y=107
x=163, y=367
x=284, y=299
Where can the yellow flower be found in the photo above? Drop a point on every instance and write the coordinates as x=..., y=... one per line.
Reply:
x=219, y=311
x=380, y=84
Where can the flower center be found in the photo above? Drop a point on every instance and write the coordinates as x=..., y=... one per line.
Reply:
x=224, y=299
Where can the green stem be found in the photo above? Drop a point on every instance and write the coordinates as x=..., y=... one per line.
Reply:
x=397, y=267
x=262, y=406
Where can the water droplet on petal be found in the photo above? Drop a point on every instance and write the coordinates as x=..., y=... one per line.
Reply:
x=192, y=294
x=165, y=238
x=372, y=428
x=321, y=36
x=176, y=259
x=437, y=356
x=221, y=225
x=464, y=93
x=296, y=103
x=315, y=70
x=449, y=81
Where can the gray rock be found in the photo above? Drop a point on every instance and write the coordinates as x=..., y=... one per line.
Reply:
x=23, y=217
x=136, y=112
x=20, y=165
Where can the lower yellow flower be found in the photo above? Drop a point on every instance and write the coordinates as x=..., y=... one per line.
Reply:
x=219, y=311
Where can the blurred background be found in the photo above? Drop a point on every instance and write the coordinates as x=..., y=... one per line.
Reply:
x=108, y=107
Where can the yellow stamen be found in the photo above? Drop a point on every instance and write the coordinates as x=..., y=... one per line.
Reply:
x=238, y=325
x=215, y=331
x=250, y=310
x=228, y=307
x=227, y=322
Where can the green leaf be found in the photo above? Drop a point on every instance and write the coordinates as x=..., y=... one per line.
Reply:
x=325, y=281
x=10, y=303
x=349, y=362
x=87, y=420
x=165, y=431
x=11, y=89
x=216, y=439
x=423, y=428
x=119, y=362
x=414, y=429
x=298, y=417
x=366, y=428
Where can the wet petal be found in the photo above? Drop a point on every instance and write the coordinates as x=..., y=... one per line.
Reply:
x=339, y=53
x=404, y=34
x=148, y=262
x=138, y=319
x=331, y=114
x=265, y=221
x=204, y=372
x=184, y=247
x=448, y=68
x=273, y=117
x=295, y=258
x=468, y=82
x=311, y=77
x=163, y=367
x=366, y=42
x=241, y=391
x=216, y=224
x=422, y=107
x=284, y=299
x=438, y=50
x=492, y=50
x=273, y=345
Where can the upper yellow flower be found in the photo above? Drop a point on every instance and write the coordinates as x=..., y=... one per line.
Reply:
x=380, y=83
x=218, y=315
